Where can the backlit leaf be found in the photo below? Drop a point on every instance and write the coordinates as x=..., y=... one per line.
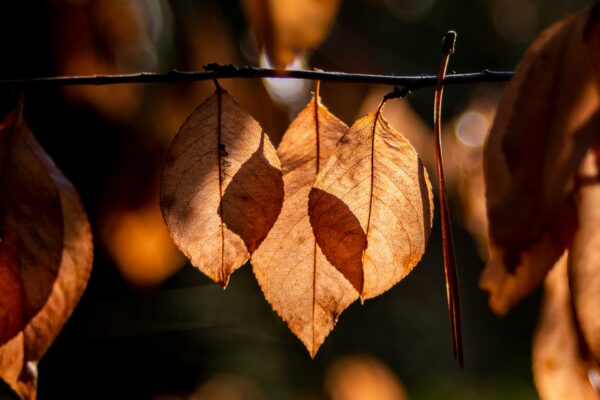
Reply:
x=221, y=188
x=296, y=278
x=371, y=206
x=20, y=355
x=130, y=226
x=546, y=121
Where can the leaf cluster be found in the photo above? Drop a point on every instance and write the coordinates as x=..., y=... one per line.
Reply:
x=335, y=213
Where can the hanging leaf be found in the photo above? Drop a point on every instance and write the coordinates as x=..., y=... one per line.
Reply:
x=31, y=227
x=371, y=206
x=559, y=369
x=301, y=285
x=545, y=123
x=584, y=259
x=20, y=355
x=221, y=188
x=289, y=27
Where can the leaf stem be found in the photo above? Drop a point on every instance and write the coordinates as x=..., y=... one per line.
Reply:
x=452, y=288
x=215, y=71
x=316, y=101
x=223, y=278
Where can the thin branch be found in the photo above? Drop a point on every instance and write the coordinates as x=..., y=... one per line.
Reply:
x=450, y=270
x=215, y=71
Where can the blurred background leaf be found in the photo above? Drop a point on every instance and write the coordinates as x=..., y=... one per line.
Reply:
x=149, y=326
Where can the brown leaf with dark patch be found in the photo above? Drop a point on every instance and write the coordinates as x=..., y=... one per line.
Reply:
x=221, y=188
x=560, y=370
x=289, y=27
x=546, y=121
x=371, y=206
x=20, y=355
x=300, y=284
x=584, y=257
x=31, y=227
x=130, y=226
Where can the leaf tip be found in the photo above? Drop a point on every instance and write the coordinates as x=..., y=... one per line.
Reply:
x=224, y=281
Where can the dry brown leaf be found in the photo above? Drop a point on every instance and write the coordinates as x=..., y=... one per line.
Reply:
x=559, y=370
x=130, y=226
x=363, y=378
x=584, y=259
x=371, y=206
x=289, y=27
x=221, y=188
x=20, y=355
x=300, y=284
x=545, y=123
x=31, y=227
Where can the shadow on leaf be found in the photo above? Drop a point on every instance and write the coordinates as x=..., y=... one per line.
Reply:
x=253, y=199
x=339, y=234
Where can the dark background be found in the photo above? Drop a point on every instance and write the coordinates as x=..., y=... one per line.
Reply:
x=128, y=339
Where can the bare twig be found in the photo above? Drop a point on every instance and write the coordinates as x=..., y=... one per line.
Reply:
x=215, y=71
x=452, y=289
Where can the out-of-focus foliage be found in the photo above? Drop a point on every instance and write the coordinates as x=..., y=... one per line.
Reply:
x=363, y=378
x=287, y=29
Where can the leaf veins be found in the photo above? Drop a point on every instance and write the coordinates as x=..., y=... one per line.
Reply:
x=371, y=206
x=221, y=187
x=301, y=285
